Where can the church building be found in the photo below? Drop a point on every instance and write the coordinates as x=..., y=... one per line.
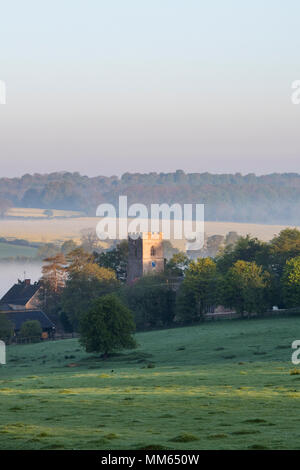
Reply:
x=145, y=255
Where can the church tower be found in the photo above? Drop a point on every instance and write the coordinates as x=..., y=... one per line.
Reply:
x=145, y=255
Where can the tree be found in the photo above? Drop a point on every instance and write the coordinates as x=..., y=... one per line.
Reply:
x=47, y=250
x=6, y=328
x=31, y=330
x=77, y=259
x=245, y=249
x=169, y=249
x=116, y=259
x=245, y=288
x=151, y=300
x=284, y=247
x=177, y=265
x=231, y=238
x=52, y=282
x=107, y=326
x=54, y=272
x=89, y=240
x=5, y=204
x=48, y=213
x=290, y=282
x=85, y=284
x=213, y=245
x=199, y=291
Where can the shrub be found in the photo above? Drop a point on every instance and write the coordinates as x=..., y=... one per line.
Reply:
x=31, y=330
x=6, y=328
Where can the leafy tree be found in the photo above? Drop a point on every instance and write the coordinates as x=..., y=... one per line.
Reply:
x=115, y=259
x=245, y=288
x=107, y=326
x=284, y=247
x=82, y=287
x=151, y=300
x=6, y=328
x=31, y=330
x=199, y=291
x=177, y=265
x=245, y=249
x=290, y=282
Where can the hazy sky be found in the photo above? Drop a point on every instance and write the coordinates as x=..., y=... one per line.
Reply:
x=109, y=86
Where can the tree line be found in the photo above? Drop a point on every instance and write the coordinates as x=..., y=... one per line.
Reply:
x=234, y=197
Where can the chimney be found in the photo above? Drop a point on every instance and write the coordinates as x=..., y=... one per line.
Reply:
x=27, y=282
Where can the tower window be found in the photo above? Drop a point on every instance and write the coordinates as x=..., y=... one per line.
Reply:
x=152, y=251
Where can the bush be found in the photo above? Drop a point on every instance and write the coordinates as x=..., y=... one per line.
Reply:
x=6, y=328
x=31, y=330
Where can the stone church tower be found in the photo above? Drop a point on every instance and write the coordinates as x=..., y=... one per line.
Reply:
x=145, y=255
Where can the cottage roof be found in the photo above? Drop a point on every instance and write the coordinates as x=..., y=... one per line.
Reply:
x=20, y=294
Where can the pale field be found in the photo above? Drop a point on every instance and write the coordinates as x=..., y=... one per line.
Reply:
x=25, y=212
x=49, y=230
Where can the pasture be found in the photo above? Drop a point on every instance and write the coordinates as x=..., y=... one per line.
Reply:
x=219, y=385
x=12, y=251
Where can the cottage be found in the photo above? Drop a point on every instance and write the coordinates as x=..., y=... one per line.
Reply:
x=22, y=303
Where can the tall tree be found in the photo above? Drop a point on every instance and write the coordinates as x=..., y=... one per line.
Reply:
x=116, y=259
x=52, y=282
x=245, y=249
x=82, y=287
x=283, y=247
x=151, y=300
x=290, y=282
x=199, y=291
x=107, y=326
x=245, y=288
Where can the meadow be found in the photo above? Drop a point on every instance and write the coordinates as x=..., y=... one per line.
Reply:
x=219, y=385
x=12, y=251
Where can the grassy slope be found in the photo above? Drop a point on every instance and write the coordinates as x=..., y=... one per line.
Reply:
x=7, y=251
x=239, y=397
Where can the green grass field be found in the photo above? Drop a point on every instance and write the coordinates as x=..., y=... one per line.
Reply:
x=222, y=385
x=12, y=251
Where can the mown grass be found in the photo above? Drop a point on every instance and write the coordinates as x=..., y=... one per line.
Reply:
x=208, y=389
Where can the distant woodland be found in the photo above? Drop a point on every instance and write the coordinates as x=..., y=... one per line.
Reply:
x=272, y=199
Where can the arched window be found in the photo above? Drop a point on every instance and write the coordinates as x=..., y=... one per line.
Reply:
x=152, y=251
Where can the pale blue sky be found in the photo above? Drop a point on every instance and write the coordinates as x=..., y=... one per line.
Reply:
x=104, y=87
